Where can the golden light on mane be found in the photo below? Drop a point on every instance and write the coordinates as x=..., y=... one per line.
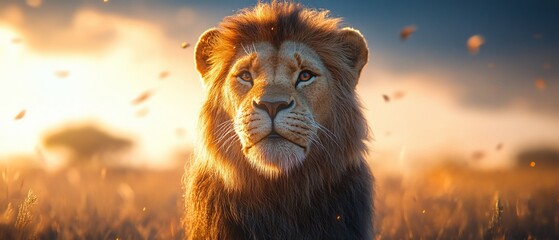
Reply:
x=251, y=155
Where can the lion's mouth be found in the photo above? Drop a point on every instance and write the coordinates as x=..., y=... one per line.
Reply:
x=273, y=136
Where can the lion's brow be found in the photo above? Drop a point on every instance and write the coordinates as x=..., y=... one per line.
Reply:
x=298, y=58
x=253, y=63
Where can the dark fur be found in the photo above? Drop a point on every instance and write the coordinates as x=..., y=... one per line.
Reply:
x=330, y=195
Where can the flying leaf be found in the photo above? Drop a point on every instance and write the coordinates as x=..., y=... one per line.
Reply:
x=163, y=74
x=34, y=3
x=407, y=31
x=62, y=73
x=20, y=115
x=474, y=43
x=141, y=98
x=142, y=112
x=386, y=98
x=540, y=84
x=499, y=146
x=398, y=95
x=180, y=132
x=478, y=155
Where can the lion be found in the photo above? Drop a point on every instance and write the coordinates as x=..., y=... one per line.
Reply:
x=282, y=148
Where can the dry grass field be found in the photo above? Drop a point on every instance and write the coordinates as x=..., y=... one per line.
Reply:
x=449, y=202
x=445, y=202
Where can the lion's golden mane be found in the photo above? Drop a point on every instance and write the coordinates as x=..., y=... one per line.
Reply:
x=226, y=198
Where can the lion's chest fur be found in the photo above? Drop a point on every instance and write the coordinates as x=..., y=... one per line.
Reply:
x=342, y=211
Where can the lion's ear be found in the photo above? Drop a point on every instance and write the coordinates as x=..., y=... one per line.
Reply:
x=355, y=48
x=204, y=50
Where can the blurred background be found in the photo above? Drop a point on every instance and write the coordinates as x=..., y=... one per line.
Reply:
x=125, y=70
x=108, y=88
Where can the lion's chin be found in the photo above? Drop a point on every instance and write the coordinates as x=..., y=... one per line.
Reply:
x=273, y=157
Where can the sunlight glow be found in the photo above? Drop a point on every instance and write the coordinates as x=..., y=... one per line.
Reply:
x=134, y=78
x=57, y=89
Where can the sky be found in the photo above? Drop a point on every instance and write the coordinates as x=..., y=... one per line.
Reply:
x=87, y=61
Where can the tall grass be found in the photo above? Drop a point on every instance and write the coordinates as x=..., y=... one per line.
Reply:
x=446, y=202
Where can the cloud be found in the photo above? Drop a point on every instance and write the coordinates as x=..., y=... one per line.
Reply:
x=523, y=94
x=506, y=84
x=433, y=119
x=105, y=72
x=91, y=30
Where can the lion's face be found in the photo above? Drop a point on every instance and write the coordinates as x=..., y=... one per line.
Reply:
x=277, y=98
x=281, y=93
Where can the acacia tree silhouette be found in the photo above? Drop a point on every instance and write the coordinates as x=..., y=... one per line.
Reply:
x=87, y=143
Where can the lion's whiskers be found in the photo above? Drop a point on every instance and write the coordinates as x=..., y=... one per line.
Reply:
x=230, y=142
x=253, y=47
x=315, y=140
x=329, y=134
x=226, y=133
x=243, y=46
x=223, y=129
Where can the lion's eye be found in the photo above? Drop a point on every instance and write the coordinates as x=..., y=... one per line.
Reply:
x=304, y=76
x=245, y=76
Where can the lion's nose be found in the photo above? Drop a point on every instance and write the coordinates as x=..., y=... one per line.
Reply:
x=272, y=108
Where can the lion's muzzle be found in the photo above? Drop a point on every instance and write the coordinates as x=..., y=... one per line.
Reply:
x=272, y=106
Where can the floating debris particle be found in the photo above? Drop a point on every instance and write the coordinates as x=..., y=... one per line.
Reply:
x=386, y=98
x=34, y=3
x=141, y=98
x=532, y=164
x=180, y=132
x=540, y=84
x=62, y=73
x=499, y=146
x=142, y=112
x=478, y=155
x=20, y=115
x=407, y=32
x=398, y=95
x=164, y=74
x=185, y=45
x=474, y=43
